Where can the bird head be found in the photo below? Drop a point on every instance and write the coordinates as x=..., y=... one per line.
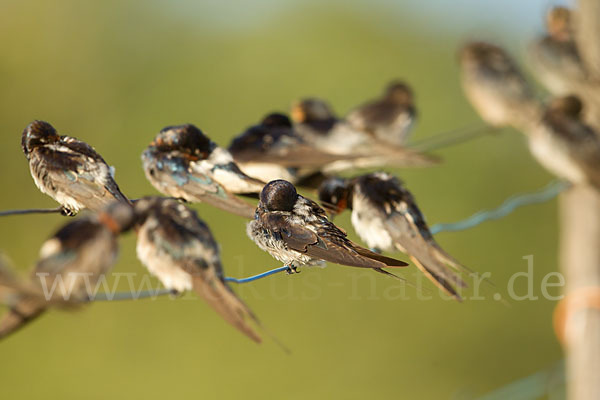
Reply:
x=558, y=24
x=571, y=106
x=187, y=139
x=36, y=134
x=118, y=216
x=335, y=195
x=278, y=195
x=399, y=92
x=311, y=110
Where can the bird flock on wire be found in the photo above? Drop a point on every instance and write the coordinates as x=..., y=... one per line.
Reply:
x=266, y=163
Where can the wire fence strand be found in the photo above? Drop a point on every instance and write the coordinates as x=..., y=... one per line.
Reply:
x=508, y=206
x=31, y=211
x=120, y=296
x=451, y=138
x=511, y=204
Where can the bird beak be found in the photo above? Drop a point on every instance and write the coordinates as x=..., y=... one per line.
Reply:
x=297, y=114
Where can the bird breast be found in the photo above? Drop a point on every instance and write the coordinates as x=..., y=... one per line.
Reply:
x=554, y=156
x=266, y=241
x=162, y=265
x=369, y=223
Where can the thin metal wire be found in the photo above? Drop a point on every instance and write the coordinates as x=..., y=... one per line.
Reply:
x=549, y=192
x=549, y=381
x=161, y=292
x=31, y=211
x=131, y=296
x=256, y=277
x=450, y=138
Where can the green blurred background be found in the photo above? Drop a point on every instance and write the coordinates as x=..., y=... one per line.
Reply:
x=113, y=73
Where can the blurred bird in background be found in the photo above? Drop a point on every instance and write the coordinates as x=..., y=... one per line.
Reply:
x=272, y=149
x=179, y=249
x=565, y=144
x=496, y=87
x=375, y=133
x=71, y=263
x=389, y=118
x=555, y=58
x=557, y=63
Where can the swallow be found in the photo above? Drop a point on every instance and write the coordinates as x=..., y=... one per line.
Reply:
x=71, y=264
x=317, y=124
x=69, y=170
x=274, y=148
x=496, y=87
x=295, y=230
x=359, y=135
x=389, y=118
x=555, y=57
x=387, y=218
x=565, y=145
x=183, y=162
x=178, y=248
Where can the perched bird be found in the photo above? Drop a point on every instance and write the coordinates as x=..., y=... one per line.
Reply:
x=370, y=133
x=183, y=162
x=385, y=215
x=68, y=170
x=565, y=145
x=555, y=57
x=496, y=87
x=272, y=149
x=71, y=263
x=179, y=249
x=296, y=231
x=389, y=118
x=317, y=124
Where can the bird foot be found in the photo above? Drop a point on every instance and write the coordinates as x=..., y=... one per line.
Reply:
x=67, y=212
x=292, y=270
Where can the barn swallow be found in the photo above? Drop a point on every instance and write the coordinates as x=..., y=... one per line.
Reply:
x=183, y=162
x=555, y=57
x=68, y=170
x=275, y=142
x=317, y=124
x=296, y=231
x=496, y=87
x=389, y=118
x=179, y=249
x=565, y=145
x=358, y=135
x=71, y=263
x=385, y=215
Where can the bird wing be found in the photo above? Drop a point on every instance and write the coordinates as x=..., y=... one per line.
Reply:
x=327, y=243
x=297, y=155
x=84, y=178
x=94, y=166
x=411, y=236
x=209, y=285
x=172, y=176
x=231, y=177
x=374, y=116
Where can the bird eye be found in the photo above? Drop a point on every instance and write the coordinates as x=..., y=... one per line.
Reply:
x=152, y=172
